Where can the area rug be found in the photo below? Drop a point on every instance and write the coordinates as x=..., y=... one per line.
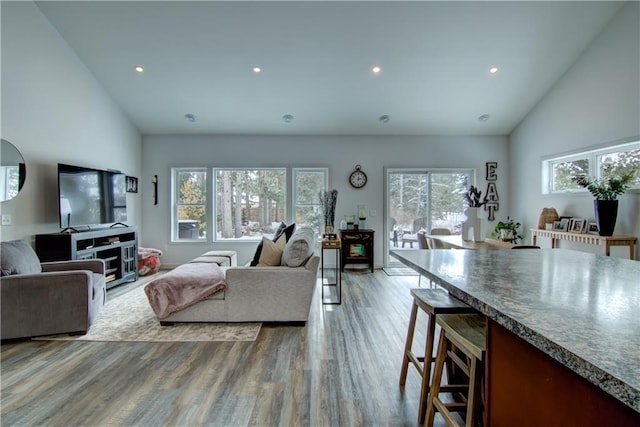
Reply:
x=129, y=318
x=400, y=271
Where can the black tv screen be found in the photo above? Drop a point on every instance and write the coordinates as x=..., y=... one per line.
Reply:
x=90, y=196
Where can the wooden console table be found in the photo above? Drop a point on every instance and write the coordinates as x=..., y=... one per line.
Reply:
x=589, y=239
x=357, y=247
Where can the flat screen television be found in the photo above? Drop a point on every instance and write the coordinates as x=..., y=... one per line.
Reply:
x=90, y=197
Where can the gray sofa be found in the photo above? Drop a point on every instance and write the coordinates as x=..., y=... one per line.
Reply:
x=47, y=298
x=269, y=293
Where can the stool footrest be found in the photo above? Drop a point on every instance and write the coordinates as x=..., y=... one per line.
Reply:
x=415, y=361
x=452, y=406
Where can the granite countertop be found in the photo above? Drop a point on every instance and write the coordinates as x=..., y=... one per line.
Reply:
x=579, y=308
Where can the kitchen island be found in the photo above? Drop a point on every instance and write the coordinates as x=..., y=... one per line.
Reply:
x=563, y=336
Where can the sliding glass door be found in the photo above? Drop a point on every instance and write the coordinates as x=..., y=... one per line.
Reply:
x=422, y=199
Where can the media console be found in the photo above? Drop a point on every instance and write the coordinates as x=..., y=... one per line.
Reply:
x=357, y=247
x=118, y=247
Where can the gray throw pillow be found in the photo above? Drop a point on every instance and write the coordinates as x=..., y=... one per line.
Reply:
x=299, y=247
x=17, y=257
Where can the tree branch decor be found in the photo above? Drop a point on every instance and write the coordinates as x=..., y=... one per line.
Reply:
x=473, y=197
x=328, y=201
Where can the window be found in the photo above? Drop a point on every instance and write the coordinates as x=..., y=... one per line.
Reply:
x=427, y=199
x=308, y=183
x=615, y=160
x=248, y=203
x=447, y=204
x=190, y=204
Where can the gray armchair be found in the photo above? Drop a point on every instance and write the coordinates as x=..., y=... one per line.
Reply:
x=47, y=298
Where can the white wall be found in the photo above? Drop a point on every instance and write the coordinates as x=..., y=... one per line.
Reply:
x=53, y=110
x=339, y=153
x=595, y=102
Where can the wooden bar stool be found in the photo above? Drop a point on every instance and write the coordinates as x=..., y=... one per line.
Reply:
x=433, y=302
x=463, y=342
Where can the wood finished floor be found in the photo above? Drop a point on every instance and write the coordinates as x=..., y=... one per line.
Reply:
x=341, y=369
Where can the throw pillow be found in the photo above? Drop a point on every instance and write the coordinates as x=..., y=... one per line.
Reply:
x=288, y=231
x=18, y=257
x=271, y=251
x=299, y=248
x=283, y=228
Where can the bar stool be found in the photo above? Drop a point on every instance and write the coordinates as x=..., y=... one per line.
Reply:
x=462, y=342
x=434, y=302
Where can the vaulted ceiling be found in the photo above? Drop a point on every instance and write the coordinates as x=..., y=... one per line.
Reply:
x=317, y=59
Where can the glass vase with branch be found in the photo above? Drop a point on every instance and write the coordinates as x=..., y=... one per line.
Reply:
x=328, y=201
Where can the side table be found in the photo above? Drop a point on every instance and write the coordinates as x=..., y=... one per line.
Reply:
x=332, y=245
x=357, y=247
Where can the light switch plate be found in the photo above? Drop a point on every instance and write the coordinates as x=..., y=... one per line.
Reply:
x=6, y=219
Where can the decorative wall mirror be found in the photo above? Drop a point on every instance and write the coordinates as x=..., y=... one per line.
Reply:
x=12, y=171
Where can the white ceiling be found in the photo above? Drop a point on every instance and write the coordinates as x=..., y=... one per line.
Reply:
x=317, y=57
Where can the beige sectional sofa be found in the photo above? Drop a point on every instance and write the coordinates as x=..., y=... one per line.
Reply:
x=263, y=293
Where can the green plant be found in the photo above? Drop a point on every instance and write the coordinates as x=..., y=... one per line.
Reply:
x=473, y=197
x=607, y=188
x=509, y=226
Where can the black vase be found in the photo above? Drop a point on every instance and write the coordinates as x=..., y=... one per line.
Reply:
x=606, y=214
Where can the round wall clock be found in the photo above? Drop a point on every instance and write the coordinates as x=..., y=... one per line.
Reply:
x=358, y=178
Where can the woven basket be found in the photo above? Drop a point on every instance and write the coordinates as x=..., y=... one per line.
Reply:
x=548, y=215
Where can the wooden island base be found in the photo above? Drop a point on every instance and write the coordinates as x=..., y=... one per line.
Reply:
x=526, y=387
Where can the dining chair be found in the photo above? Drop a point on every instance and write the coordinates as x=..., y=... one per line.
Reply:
x=422, y=240
x=422, y=244
x=435, y=243
x=440, y=232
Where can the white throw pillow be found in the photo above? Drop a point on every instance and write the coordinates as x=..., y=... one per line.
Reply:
x=299, y=247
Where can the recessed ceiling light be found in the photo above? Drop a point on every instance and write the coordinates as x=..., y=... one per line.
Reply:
x=287, y=118
x=139, y=68
x=384, y=118
x=190, y=117
x=493, y=70
x=484, y=117
x=376, y=69
x=257, y=69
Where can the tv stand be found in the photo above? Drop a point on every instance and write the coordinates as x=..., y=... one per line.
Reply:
x=69, y=230
x=118, y=247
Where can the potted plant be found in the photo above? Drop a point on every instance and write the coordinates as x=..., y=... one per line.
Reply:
x=507, y=231
x=606, y=192
x=473, y=224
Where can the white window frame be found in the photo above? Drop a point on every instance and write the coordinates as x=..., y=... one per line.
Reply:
x=592, y=155
x=210, y=208
x=214, y=208
x=175, y=233
x=294, y=200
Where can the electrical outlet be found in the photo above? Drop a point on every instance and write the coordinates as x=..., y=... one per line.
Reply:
x=374, y=213
x=6, y=219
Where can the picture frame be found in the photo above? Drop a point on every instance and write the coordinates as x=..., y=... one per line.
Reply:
x=357, y=250
x=592, y=228
x=131, y=184
x=578, y=225
x=561, y=225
